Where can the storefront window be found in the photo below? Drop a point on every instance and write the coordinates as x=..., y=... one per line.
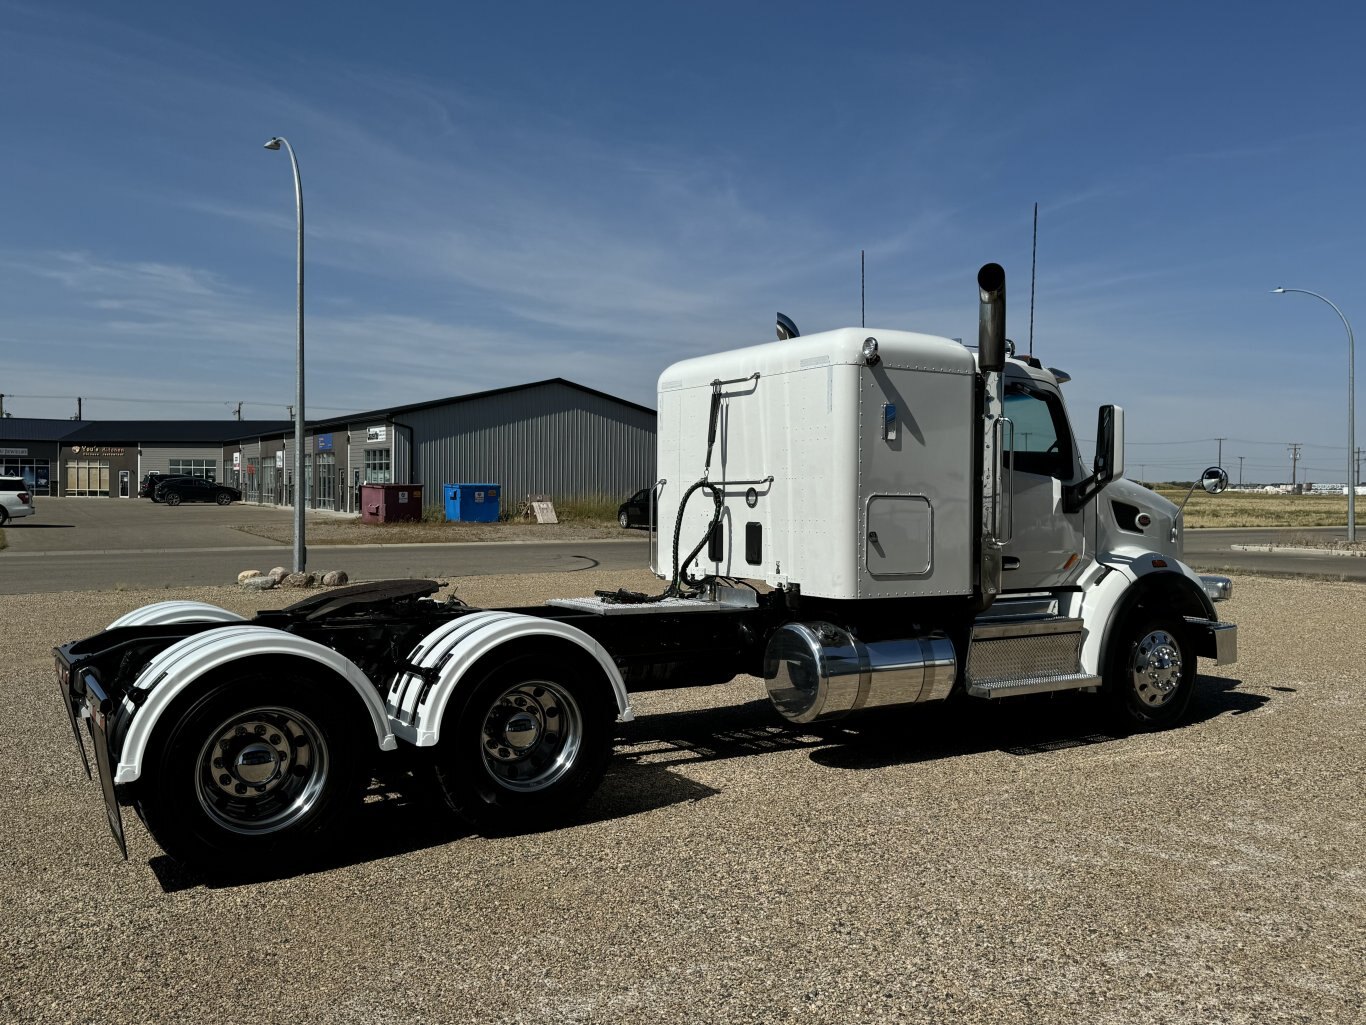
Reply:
x=377, y=466
x=206, y=469
x=34, y=471
x=86, y=478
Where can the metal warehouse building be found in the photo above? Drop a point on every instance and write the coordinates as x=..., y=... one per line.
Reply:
x=553, y=438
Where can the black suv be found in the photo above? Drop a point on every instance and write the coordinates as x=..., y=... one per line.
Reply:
x=151, y=482
x=193, y=489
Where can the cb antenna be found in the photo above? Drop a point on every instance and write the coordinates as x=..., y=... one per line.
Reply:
x=862, y=292
x=1033, y=270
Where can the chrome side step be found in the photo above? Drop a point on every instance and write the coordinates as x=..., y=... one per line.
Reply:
x=1034, y=685
x=1010, y=656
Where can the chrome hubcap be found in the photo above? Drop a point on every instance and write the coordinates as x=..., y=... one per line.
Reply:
x=531, y=735
x=1156, y=668
x=261, y=770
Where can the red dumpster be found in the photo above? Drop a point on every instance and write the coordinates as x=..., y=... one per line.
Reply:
x=390, y=503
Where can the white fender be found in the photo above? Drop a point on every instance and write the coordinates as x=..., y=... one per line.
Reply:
x=165, y=613
x=178, y=667
x=1101, y=600
x=454, y=647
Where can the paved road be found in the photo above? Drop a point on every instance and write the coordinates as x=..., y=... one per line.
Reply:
x=99, y=544
x=1212, y=549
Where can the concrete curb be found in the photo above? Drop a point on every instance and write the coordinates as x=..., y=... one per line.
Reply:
x=1272, y=549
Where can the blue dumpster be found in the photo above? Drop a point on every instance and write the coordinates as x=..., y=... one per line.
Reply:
x=472, y=503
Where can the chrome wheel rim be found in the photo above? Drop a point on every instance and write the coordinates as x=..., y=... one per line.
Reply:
x=262, y=770
x=531, y=735
x=1156, y=668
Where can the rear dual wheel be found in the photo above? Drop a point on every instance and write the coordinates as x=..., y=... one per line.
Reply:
x=252, y=774
x=527, y=745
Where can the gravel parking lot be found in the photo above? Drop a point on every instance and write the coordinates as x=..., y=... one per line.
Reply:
x=1009, y=863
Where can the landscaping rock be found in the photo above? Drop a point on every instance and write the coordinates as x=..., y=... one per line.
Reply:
x=247, y=574
x=301, y=580
x=258, y=583
x=279, y=573
x=335, y=577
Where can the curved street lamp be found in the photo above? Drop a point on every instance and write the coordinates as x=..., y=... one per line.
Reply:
x=300, y=552
x=1351, y=409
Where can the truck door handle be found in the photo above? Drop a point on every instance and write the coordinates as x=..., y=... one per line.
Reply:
x=872, y=537
x=1010, y=562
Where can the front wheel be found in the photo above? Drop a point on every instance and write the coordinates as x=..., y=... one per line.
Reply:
x=251, y=774
x=173, y=498
x=224, y=498
x=1151, y=675
x=623, y=520
x=527, y=745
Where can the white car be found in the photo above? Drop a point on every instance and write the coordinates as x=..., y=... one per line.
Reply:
x=15, y=499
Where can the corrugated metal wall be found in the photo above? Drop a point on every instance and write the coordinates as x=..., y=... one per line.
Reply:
x=552, y=440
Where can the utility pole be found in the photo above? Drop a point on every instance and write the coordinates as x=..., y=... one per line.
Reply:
x=291, y=412
x=78, y=408
x=1294, y=448
x=1240, y=471
x=1219, y=459
x=239, y=411
x=2, y=405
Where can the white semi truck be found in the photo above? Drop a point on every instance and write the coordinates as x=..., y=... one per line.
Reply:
x=864, y=518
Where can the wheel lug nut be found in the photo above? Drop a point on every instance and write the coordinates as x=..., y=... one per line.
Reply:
x=241, y=788
x=275, y=738
x=241, y=731
x=218, y=763
x=225, y=779
x=260, y=789
x=260, y=730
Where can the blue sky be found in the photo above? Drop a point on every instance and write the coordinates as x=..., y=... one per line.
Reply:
x=502, y=193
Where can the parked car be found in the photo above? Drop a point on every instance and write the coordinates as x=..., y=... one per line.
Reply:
x=193, y=489
x=150, y=482
x=15, y=499
x=635, y=511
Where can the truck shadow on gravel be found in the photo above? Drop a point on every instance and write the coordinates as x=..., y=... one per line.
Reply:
x=400, y=815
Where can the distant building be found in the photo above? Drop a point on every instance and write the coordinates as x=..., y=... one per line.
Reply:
x=553, y=438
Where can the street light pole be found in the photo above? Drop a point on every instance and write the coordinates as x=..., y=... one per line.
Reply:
x=1351, y=409
x=300, y=551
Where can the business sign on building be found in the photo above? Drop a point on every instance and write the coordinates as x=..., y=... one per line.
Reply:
x=375, y=433
x=90, y=451
x=13, y=451
x=237, y=460
x=279, y=460
x=324, y=443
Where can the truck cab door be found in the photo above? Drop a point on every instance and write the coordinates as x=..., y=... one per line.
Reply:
x=1047, y=546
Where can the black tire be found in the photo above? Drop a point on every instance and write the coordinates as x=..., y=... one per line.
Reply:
x=223, y=498
x=1151, y=672
x=623, y=521
x=173, y=498
x=497, y=787
x=201, y=792
x=4, y=515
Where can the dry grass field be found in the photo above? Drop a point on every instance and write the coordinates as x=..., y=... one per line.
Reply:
x=1250, y=509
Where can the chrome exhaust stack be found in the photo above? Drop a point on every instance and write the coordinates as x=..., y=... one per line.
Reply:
x=991, y=361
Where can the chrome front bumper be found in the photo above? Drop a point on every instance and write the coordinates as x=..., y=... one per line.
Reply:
x=1215, y=640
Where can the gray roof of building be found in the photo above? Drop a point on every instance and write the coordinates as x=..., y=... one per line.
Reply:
x=388, y=411
x=19, y=428
x=171, y=432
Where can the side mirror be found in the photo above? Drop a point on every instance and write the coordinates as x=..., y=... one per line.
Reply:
x=1109, y=462
x=1214, y=480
